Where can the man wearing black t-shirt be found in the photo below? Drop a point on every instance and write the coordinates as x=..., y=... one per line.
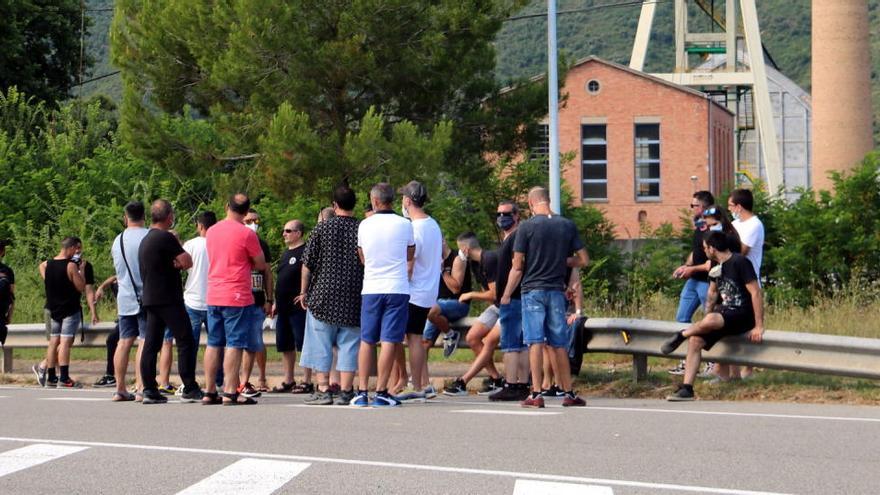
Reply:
x=161, y=259
x=740, y=310
x=694, y=271
x=291, y=317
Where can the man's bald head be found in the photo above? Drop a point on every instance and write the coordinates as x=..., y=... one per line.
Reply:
x=239, y=203
x=161, y=212
x=539, y=194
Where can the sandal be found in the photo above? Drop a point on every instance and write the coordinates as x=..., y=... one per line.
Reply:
x=303, y=388
x=139, y=397
x=284, y=388
x=211, y=399
x=232, y=400
x=264, y=387
x=123, y=397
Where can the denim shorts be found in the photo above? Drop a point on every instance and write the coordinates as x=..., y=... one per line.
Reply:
x=452, y=310
x=384, y=317
x=229, y=326
x=197, y=318
x=544, y=318
x=66, y=327
x=255, y=337
x=510, y=316
x=317, y=351
x=131, y=326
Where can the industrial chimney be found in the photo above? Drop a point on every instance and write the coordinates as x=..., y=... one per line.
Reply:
x=841, y=94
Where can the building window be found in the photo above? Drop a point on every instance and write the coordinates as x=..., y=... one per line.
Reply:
x=647, y=161
x=593, y=87
x=594, y=162
x=540, y=147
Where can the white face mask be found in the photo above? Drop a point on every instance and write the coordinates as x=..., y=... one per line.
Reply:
x=252, y=226
x=462, y=256
x=405, y=211
x=717, y=227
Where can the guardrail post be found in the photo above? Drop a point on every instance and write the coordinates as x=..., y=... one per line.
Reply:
x=640, y=367
x=6, y=360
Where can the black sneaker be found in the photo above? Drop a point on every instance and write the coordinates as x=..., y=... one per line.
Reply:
x=69, y=383
x=154, y=397
x=672, y=343
x=450, y=342
x=491, y=385
x=194, y=395
x=457, y=389
x=248, y=390
x=41, y=374
x=683, y=394
x=510, y=393
x=105, y=381
x=344, y=398
x=553, y=392
x=319, y=399
x=52, y=383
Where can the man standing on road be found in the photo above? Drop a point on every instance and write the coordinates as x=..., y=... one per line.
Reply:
x=290, y=321
x=195, y=290
x=7, y=292
x=516, y=357
x=132, y=320
x=386, y=244
x=332, y=281
x=741, y=310
x=541, y=258
x=261, y=285
x=161, y=259
x=65, y=280
x=424, y=274
x=234, y=251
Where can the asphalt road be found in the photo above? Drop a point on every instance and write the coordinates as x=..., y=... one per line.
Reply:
x=77, y=441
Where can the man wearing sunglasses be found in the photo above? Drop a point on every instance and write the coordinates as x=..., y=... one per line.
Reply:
x=291, y=317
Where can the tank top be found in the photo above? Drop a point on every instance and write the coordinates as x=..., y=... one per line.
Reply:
x=62, y=298
x=445, y=293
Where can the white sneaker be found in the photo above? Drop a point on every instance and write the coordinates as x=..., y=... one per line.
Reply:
x=179, y=391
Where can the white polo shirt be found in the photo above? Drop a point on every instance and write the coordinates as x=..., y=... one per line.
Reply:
x=384, y=239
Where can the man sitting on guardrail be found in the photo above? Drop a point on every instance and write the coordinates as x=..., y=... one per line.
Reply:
x=741, y=310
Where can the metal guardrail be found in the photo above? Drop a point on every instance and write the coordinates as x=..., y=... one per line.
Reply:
x=793, y=351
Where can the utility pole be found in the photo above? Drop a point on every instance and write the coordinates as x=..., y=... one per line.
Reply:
x=553, y=89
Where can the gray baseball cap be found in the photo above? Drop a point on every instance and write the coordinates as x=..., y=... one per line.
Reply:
x=415, y=191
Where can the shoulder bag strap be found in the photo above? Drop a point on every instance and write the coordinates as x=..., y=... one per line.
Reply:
x=137, y=295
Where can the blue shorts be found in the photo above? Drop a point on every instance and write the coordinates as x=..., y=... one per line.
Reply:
x=229, y=326
x=255, y=337
x=510, y=317
x=452, y=310
x=544, y=318
x=384, y=317
x=66, y=327
x=197, y=318
x=317, y=351
x=168, y=337
x=131, y=326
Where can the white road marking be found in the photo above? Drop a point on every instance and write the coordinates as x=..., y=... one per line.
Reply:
x=741, y=414
x=511, y=413
x=398, y=465
x=253, y=476
x=33, y=455
x=531, y=487
x=81, y=399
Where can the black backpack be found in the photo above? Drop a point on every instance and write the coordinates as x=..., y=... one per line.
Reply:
x=578, y=345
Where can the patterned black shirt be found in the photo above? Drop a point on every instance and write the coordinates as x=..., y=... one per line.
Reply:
x=337, y=276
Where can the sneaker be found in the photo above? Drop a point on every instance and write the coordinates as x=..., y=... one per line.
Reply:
x=491, y=385
x=105, y=381
x=683, y=394
x=179, y=391
x=154, y=397
x=383, y=399
x=450, y=342
x=247, y=390
x=572, y=400
x=319, y=399
x=344, y=398
x=678, y=369
x=410, y=395
x=458, y=388
x=69, y=383
x=533, y=401
x=195, y=395
x=510, y=393
x=52, y=383
x=553, y=392
x=708, y=371
x=334, y=389
x=362, y=399
x=166, y=389
x=40, y=373
x=430, y=392
x=672, y=343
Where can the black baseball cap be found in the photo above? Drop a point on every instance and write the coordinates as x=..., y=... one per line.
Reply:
x=5, y=242
x=416, y=192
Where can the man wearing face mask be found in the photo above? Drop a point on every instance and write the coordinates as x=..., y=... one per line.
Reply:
x=455, y=280
x=262, y=286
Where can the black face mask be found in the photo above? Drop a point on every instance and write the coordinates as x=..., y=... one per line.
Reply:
x=505, y=222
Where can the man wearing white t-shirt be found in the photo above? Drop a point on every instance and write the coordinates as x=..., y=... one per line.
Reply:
x=385, y=246
x=196, y=288
x=751, y=236
x=424, y=284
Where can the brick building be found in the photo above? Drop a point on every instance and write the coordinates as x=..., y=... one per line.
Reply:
x=639, y=142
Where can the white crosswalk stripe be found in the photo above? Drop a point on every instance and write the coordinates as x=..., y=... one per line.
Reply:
x=532, y=487
x=252, y=476
x=33, y=455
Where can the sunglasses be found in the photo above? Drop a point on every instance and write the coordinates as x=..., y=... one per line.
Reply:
x=695, y=205
x=710, y=212
x=288, y=231
x=504, y=214
x=248, y=222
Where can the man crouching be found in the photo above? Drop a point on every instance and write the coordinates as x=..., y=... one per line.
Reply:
x=741, y=310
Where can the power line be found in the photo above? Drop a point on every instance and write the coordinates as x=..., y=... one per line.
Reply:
x=630, y=3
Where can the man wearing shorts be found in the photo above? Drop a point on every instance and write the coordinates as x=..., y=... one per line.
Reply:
x=386, y=244
x=290, y=323
x=541, y=261
x=132, y=319
x=332, y=280
x=196, y=287
x=234, y=251
x=741, y=310
x=261, y=286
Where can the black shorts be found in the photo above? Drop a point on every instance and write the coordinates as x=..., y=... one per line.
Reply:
x=735, y=323
x=418, y=316
x=290, y=329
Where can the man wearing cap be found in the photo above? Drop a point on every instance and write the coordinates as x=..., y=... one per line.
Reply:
x=424, y=279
